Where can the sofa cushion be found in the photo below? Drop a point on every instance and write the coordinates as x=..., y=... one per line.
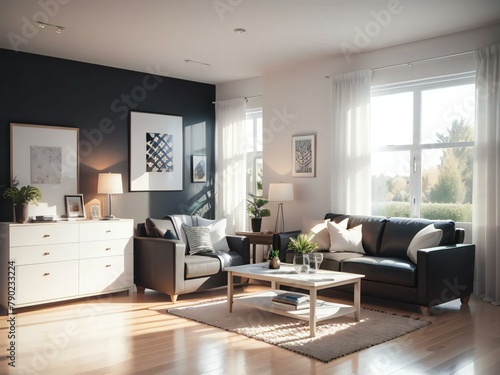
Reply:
x=198, y=239
x=332, y=260
x=425, y=238
x=217, y=232
x=320, y=233
x=342, y=239
x=201, y=266
x=399, y=232
x=373, y=229
x=384, y=270
x=157, y=228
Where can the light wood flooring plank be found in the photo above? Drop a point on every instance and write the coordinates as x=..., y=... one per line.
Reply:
x=122, y=334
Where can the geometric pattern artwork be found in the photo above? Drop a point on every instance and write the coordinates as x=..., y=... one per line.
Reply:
x=45, y=165
x=159, y=152
x=199, y=168
x=303, y=156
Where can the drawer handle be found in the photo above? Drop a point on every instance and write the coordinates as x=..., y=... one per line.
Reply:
x=108, y=231
x=45, y=254
x=46, y=274
x=107, y=249
x=108, y=265
x=46, y=235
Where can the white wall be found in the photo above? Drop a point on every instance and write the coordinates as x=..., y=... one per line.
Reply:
x=297, y=100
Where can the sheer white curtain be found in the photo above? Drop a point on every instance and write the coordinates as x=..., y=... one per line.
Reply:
x=486, y=203
x=350, y=172
x=231, y=163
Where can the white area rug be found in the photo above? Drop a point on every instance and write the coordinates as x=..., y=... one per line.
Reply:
x=334, y=338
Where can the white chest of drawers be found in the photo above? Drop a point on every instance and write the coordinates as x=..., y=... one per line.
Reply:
x=51, y=262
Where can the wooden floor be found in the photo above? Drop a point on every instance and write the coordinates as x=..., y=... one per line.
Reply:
x=124, y=334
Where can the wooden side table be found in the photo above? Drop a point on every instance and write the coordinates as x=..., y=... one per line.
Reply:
x=257, y=238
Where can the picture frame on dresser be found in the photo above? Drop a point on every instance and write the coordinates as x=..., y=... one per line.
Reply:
x=75, y=208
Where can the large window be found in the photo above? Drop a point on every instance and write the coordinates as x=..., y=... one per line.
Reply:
x=422, y=147
x=254, y=151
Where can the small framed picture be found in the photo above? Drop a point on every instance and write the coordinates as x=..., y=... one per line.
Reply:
x=95, y=211
x=74, y=206
x=199, y=165
x=304, y=155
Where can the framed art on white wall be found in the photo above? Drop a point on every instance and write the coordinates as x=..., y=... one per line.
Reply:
x=304, y=155
x=156, y=152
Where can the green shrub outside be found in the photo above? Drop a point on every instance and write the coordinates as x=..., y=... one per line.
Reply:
x=432, y=211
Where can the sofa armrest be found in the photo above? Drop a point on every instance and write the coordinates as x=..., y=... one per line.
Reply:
x=241, y=245
x=445, y=273
x=159, y=264
x=280, y=242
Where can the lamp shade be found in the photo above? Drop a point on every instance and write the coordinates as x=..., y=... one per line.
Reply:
x=280, y=192
x=109, y=183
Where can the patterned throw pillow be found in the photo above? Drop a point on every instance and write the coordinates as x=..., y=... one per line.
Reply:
x=198, y=239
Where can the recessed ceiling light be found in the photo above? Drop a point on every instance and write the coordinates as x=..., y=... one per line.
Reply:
x=239, y=30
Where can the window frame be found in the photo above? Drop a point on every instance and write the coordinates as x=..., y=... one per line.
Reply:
x=416, y=148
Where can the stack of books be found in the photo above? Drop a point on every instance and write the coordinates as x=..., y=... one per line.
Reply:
x=290, y=301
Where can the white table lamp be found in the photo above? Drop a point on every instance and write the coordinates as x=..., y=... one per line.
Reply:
x=280, y=192
x=109, y=183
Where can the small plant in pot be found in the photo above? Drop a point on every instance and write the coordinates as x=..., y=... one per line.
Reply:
x=274, y=259
x=256, y=211
x=22, y=197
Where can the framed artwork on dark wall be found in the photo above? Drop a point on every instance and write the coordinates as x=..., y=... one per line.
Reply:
x=304, y=155
x=156, y=152
x=46, y=157
x=199, y=168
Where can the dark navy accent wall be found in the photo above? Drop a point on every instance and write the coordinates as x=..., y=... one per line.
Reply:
x=96, y=99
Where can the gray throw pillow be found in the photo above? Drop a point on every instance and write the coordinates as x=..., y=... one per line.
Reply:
x=198, y=239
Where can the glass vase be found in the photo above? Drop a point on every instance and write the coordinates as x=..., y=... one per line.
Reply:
x=301, y=263
x=315, y=260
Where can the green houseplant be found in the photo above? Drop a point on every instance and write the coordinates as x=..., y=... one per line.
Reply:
x=21, y=197
x=305, y=260
x=256, y=211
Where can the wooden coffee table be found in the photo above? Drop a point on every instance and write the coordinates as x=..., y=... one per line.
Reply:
x=318, y=310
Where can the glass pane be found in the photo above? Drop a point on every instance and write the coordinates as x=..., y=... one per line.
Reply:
x=392, y=119
x=391, y=183
x=448, y=114
x=447, y=184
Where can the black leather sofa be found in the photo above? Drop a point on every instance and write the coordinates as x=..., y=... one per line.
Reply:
x=165, y=264
x=441, y=274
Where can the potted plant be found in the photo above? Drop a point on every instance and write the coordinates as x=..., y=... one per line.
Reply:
x=274, y=259
x=21, y=197
x=304, y=259
x=256, y=211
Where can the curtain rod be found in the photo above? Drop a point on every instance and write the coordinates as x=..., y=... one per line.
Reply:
x=409, y=64
x=247, y=98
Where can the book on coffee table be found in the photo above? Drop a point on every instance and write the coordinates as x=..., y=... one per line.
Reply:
x=291, y=298
x=289, y=306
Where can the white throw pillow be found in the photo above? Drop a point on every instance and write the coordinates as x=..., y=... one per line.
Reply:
x=342, y=239
x=218, y=234
x=198, y=239
x=319, y=231
x=427, y=237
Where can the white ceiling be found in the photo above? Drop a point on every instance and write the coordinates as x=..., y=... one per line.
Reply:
x=159, y=35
